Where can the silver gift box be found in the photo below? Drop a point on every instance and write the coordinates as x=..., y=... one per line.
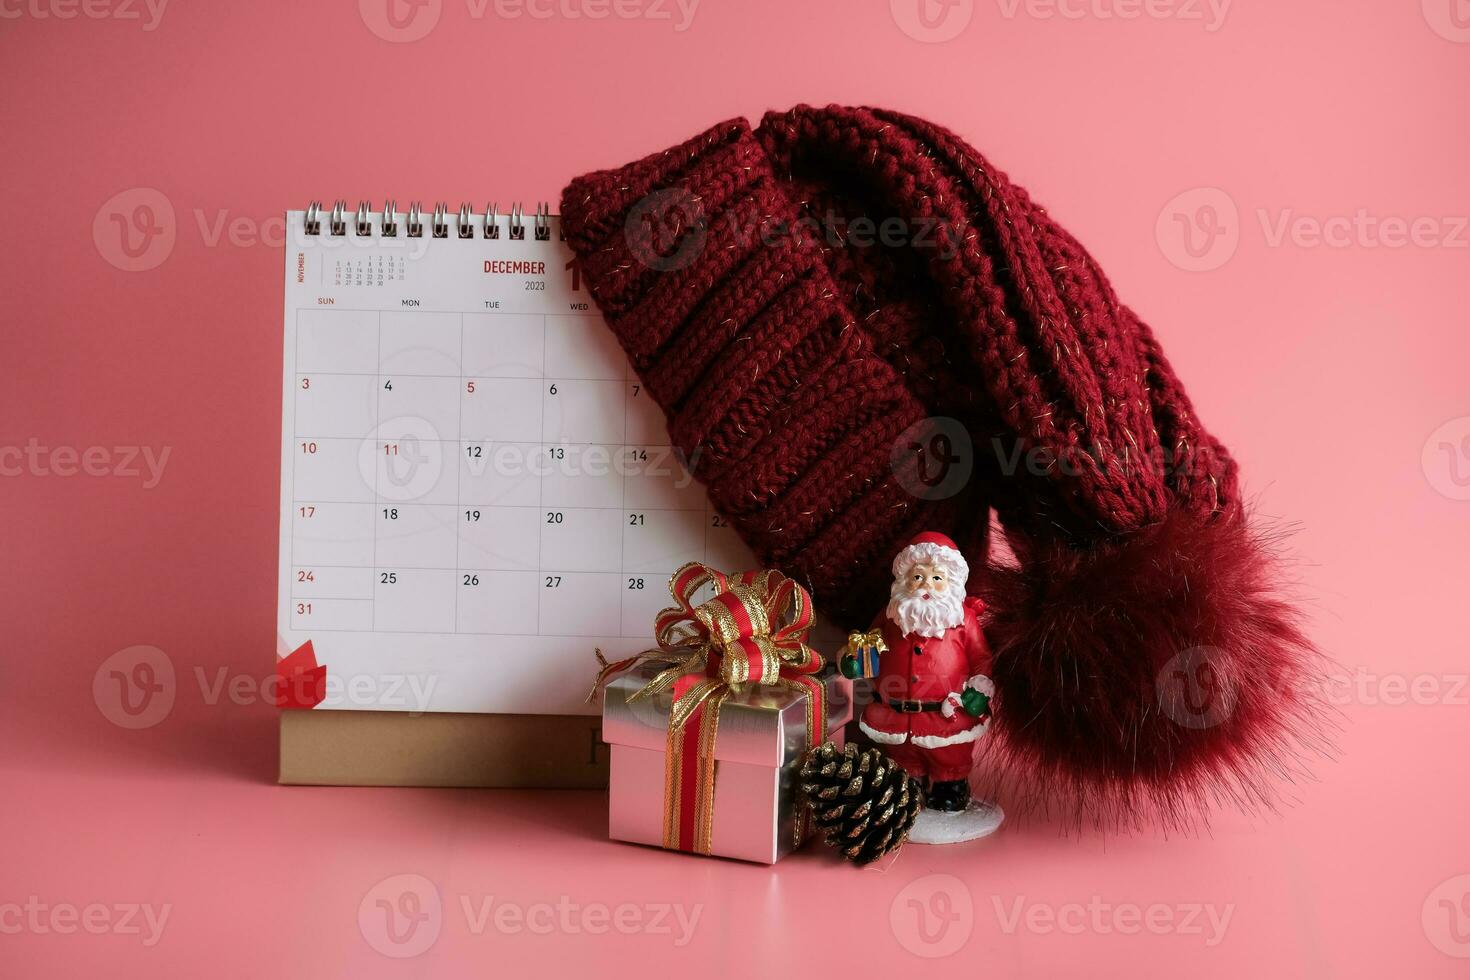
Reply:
x=758, y=749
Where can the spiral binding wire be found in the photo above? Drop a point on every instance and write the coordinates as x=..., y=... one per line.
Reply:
x=439, y=221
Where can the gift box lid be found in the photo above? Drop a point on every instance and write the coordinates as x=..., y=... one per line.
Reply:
x=761, y=725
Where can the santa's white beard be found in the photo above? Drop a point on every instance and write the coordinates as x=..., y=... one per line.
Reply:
x=926, y=617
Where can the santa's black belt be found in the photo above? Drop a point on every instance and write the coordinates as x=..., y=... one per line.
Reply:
x=909, y=707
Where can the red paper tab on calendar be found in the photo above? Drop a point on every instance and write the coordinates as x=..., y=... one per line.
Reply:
x=300, y=681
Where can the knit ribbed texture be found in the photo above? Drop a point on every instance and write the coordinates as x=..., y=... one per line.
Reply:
x=787, y=366
x=770, y=384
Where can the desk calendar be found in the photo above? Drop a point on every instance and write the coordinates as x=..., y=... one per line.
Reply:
x=475, y=489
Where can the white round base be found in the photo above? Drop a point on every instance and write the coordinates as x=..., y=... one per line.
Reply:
x=975, y=821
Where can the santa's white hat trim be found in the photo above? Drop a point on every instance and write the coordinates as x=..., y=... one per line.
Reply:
x=936, y=549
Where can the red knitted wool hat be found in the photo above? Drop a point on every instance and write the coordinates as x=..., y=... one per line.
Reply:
x=859, y=330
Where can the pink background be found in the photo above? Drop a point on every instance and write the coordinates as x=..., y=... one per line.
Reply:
x=1334, y=369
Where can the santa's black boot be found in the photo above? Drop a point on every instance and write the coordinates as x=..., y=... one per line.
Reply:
x=951, y=795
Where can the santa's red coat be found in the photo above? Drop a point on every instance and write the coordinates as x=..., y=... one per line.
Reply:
x=928, y=668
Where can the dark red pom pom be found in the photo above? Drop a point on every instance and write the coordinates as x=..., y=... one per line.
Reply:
x=1146, y=679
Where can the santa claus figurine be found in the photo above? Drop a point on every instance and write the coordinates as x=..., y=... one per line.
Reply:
x=929, y=663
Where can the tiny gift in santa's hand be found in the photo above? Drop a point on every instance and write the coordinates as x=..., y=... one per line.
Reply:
x=860, y=655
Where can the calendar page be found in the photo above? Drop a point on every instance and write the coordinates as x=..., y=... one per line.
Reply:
x=475, y=490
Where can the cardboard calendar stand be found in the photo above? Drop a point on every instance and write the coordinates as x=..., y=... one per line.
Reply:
x=390, y=748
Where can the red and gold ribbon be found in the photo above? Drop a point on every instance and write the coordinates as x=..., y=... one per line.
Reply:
x=752, y=631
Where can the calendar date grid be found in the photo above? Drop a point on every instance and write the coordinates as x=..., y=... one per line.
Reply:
x=436, y=536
